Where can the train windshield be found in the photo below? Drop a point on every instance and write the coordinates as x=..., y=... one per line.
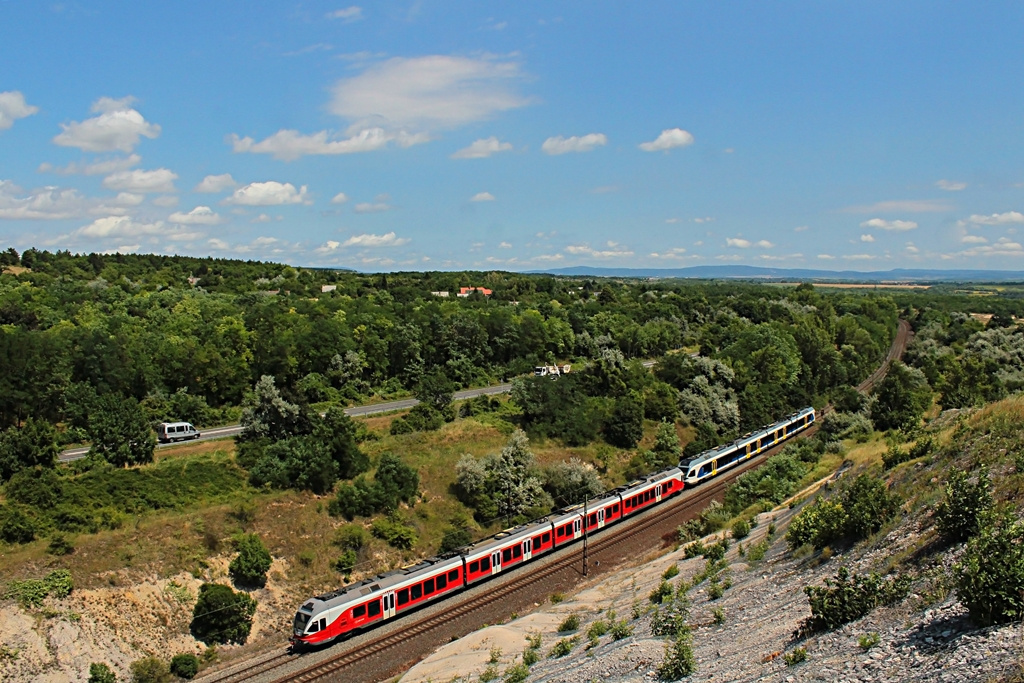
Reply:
x=301, y=619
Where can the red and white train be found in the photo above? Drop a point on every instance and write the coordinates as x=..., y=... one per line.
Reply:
x=326, y=617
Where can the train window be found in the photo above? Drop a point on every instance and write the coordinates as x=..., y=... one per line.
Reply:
x=545, y=537
x=373, y=608
x=403, y=596
x=442, y=582
x=359, y=612
x=485, y=564
x=560, y=531
x=428, y=586
x=506, y=554
x=453, y=575
x=517, y=552
x=314, y=627
x=417, y=591
x=474, y=567
x=615, y=508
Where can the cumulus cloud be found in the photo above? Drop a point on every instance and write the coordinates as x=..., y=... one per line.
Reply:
x=826, y=257
x=973, y=239
x=339, y=198
x=216, y=183
x=119, y=226
x=371, y=207
x=585, y=143
x=859, y=257
x=548, y=257
x=289, y=145
x=482, y=197
x=166, y=200
x=13, y=107
x=902, y=206
x=430, y=93
x=117, y=128
x=669, y=139
x=347, y=15
x=1008, y=218
x=867, y=238
x=765, y=244
x=370, y=240
x=264, y=218
x=614, y=250
x=705, y=219
x=504, y=245
x=801, y=228
x=894, y=226
x=48, y=203
x=160, y=180
x=97, y=167
x=270, y=193
x=950, y=185
x=675, y=253
x=738, y=242
x=481, y=149
x=201, y=215
x=1002, y=247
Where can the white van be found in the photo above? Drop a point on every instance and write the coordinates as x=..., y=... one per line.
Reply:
x=167, y=432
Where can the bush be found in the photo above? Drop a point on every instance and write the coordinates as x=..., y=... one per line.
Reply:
x=395, y=532
x=570, y=623
x=150, y=670
x=59, y=545
x=517, y=673
x=347, y=562
x=795, y=657
x=740, y=529
x=351, y=536
x=857, y=512
x=530, y=656
x=250, y=567
x=16, y=526
x=101, y=673
x=990, y=575
x=597, y=629
x=868, y=640
x=32, y=592
x=400, y=426
x=564, y=647
x=844, y=599
x=959, y=516
x=221, y=615
x=621, y=629
x=185, y=665
x=671, y=572
x=679, y=661
x=455, y=536
x=662, y=591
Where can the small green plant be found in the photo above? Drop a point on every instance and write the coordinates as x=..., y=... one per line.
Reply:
x=557, y=598
x=671, y=572
x=959, y=516
x=740, y=529
x=718, y=616
x=347, y=562
x=621, y=629
x=101, y=673
x=796, y=656
x=180, y=593
x=185, y=666
x=564, y=647
x=715, y=589
x=517, y=673
x=495, y=655
x=989, y=579
x=695, y=549
x=209, y=655
x=679, y=661
x=868, y=640
x=756, y=552
x=845, y=598
x=60, y=545
x=772, y=528
x=569, y=624
x=489, y=674
x=598, y=629
x=150, y=670
x=662, y=591
x=8, y=654
x=637, y=610
x=32, y=592
x=306, y=557
x=530, y=656
x=533, y=640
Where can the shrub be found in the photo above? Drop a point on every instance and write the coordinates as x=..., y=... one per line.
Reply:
x=455, y=536
x=990, y=575
x=221, y=615
x=868, y=640
x=959, y=516
x=347, y=562
x=60, y=545
x=718, y=616
x=351, y=536
x=16, y=526
x=570, y=623
x=621, y=629
x=564, y=647
x=796, y=656
x=495, y=655
x=715, y=590
x=395, y=532
x=185, y=665
x=401, y=426
x=101, y=673
x=740, y=529
x=32, y=592
x=894, y=456
x=557, y=598
x=597, y=629
x=716, y=551
x=530, y=656
x=150, y=670
x=533, y=640
x=679, y=661
x=517, y=673
x=662, y=591
x=857, y=512
x=844, y=599
x=250, y=567
x=671, y=572
x=489, y=674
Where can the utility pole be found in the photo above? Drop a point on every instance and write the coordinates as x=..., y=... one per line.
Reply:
x=508, y=503
x=586, y=502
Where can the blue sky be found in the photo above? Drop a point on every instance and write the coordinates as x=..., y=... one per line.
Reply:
x=518, y=135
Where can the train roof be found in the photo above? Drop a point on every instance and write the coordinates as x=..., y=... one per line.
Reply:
x=745, y=439
x=388, y=580
x=502, y=538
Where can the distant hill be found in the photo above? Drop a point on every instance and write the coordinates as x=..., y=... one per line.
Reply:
x=760, y=273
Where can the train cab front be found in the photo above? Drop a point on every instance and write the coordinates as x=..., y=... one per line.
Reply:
x=301, y=639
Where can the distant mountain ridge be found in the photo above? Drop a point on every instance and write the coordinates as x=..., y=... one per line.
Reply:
x=758, y=272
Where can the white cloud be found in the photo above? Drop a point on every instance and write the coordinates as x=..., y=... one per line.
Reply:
x=903, y=206
x=119, y=226
x=911, y=248
x=13, y=107
x=615, y=250
x=201, y=215
x=117, y=128
x=265, y=218
x=218, y=244
x=826, y=257
x=671, y=221
x=367, y=207
x=99, y=167
x=859, y=257
x=166, y=200
x=216, y=183
x=1002, y=247
x=738, y=242
x=160, y=180
x=48, y=203
x=973, y=239
x=434, y=92
x=705, y=219
x=289, y=145
x=765, y=244
x=548, y=257
x=585, y=143
x=896, y=226
x=950, y=185
x=801, y=228
x=1007, y=218
x=327, y=247
x=482, y=197
x=347, y=15
x=867, y=238
x=369, y=240
x=504, y=245
x=270, y=193
x=669, y=139
x=481, y=149
x=339, y=198
x=675, y=253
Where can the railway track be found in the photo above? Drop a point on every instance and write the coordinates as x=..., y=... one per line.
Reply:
x=352, y=665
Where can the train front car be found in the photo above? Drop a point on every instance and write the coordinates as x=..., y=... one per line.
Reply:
x=307, y=629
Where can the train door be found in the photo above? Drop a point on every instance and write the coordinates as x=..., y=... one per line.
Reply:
x=657, y=493
x=527, y=549
x=600, y=518
x=495, y=562
x=577, y=526
x=387, y=604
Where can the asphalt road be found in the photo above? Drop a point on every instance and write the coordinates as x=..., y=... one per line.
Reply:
x=354, y=411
